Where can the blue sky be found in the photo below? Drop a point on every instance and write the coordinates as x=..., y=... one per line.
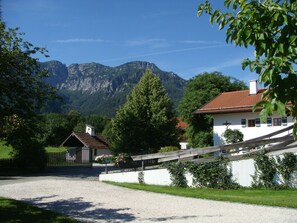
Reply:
x=112, y=32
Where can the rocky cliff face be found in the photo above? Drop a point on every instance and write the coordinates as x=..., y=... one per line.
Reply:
x=95, y=88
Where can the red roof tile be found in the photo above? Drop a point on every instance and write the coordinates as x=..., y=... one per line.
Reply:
x=181, y=124
x=235, y=101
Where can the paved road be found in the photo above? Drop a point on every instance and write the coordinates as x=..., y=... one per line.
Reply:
x=81, y=196
x=70, y=173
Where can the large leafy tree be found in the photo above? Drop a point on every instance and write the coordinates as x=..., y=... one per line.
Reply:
x=146, y=121
x=22, y=94
x=270, y=27
x=97, y=121
x=200, y=90
x=57, y=127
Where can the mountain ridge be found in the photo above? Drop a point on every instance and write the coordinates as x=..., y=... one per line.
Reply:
x=97, y=88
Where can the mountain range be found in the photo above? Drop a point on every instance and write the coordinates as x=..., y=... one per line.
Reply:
x=95, y=88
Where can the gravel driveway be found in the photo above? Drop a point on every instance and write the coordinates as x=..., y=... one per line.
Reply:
x=88, y=200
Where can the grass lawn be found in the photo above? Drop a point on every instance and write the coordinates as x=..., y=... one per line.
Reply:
x=16, y=211
x=280, y=198
x=50, y=149
x=5, y=151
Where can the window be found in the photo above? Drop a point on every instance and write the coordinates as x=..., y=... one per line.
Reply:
x=284, y=121
x=269, y=121
x=243, y=123
x=277, y=122
x=251, y=123
x=258, y=122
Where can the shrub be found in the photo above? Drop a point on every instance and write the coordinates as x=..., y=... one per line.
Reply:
x=286, y=166
x=104, y=159
x=233, y=136
x=217, y=174
x=168, y=149
x=31, y=156
x=265, y=170
x=177, y=172
x=124, y=160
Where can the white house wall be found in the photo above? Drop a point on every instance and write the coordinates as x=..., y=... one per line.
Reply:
x=234, y=120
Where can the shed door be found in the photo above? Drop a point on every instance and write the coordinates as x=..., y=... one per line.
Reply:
x=85, y=155
x=78, y=154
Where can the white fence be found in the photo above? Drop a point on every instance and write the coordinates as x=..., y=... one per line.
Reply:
x=242, y=171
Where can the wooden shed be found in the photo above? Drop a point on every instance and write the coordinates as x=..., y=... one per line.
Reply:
x=85, y=147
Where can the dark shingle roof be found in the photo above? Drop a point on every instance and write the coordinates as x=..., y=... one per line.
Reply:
x=93, y=142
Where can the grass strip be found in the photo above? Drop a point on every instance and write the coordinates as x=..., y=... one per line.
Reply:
x=50, y=149
x=17, y=211
x=279, y=198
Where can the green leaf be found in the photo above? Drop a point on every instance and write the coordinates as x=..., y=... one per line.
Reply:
x=245, y=63
x=293, y=39
x=280, y=47
x=275, y=16
x=281, y=109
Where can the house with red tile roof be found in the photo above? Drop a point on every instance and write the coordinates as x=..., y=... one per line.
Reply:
x=181, y=126
x=86, y=146
x=234, y=110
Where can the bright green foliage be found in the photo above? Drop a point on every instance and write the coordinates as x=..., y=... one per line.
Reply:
x=267, y=168
x=233, y=136
x=22, y=91
x=215, y=174
x=200, y=90
x=5, y=150
x=146, y=121
x=50, y=149
x=270, y=27
x=22, y=94
x=265, y=172
x=177, y=172
x=286, y=166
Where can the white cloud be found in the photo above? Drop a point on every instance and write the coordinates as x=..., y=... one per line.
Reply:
x=161, y=43
x=154, y=43
x=163, y=53
x=81, y=40
x=199, y=42
x=225, y=64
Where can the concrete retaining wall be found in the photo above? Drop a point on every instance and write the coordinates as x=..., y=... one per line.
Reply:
x=242, y=171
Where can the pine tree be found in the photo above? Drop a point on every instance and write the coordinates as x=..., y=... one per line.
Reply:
x=146, y=121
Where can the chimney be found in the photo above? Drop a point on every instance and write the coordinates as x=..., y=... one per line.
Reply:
x=90, y=130
x=253, y=87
